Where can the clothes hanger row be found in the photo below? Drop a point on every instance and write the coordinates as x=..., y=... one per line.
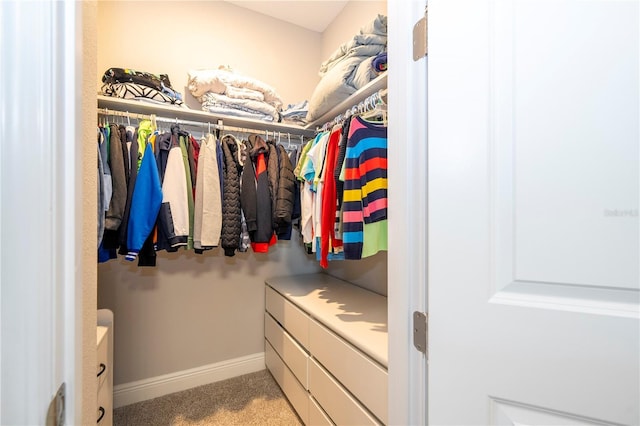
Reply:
x=371, y=106
x=107, y=113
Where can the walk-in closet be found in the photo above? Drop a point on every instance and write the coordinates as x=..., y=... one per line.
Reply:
x=512, y=228
x=188, y=319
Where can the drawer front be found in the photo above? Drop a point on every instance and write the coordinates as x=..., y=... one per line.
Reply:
x=290, y=352
x=336, y=402
x=317, y=417
x=295, y=393
x=350, y=366
x=295, y=321
x=105, y=401
x=102, y=370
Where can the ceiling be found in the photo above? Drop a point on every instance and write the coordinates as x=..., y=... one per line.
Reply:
x=314, y=15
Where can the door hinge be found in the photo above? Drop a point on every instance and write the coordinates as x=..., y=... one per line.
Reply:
x=60, y=405
x=420, y=48
x=420, y=320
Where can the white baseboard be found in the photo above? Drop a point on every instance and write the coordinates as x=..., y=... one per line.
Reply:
x=141, y=390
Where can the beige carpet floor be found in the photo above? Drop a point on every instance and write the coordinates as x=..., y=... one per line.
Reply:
x=252, y=399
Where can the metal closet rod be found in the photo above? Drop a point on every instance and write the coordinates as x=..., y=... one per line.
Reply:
x=218, y=125
x=364, y=105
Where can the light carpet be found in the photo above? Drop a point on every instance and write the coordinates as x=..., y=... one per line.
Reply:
x=251, y=399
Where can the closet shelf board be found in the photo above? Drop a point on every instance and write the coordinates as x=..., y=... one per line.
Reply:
x=357, y=315
x=140, y=107
x=360, y=95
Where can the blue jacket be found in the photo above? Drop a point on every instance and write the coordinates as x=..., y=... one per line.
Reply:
x=145, y=204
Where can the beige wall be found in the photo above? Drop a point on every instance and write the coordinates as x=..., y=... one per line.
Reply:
x=176, y=36
x=87, y=329
x=191, y=310
x=194, y=310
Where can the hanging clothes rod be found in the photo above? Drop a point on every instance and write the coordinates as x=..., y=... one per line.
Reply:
x=219, y=125
x=365, y=105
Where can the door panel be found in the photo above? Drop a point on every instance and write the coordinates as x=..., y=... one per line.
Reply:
x=533, y=212
x=573, y=107
x=507, y=413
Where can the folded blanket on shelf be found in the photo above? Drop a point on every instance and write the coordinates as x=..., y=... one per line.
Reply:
x=349, y=68
x=221, y=104
x=138, y=92
x=296, y=113
x=225, y=82
x=371, y=40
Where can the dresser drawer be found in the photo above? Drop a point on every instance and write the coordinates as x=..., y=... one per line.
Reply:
x=293, y=390
x=295, y=321
x=364, y=378
x=102, y=370
x=290, y=352
x=105, y=403
x=343, y=408
x=317, y=417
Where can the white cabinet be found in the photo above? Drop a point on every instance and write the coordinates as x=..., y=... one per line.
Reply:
x=104, y=370
x=326, y=346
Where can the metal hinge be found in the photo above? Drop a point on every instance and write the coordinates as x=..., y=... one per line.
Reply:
x=60, y=404
x=420, y=49
x=420, y=320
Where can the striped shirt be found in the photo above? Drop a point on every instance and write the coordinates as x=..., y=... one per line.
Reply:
x=365, y=189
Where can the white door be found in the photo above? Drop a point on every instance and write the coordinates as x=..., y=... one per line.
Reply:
x=533, y=212
x=40, y=240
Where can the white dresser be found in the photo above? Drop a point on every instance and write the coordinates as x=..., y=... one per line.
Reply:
x=326, y=346
x=104, y=414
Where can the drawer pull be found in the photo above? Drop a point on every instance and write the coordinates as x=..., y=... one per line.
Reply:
x=101, y=409
x=102, y=369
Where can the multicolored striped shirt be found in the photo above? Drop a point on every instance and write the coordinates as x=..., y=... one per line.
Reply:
x=365, y=190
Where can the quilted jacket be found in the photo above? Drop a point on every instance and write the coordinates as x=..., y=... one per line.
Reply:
x=273, y=171
x=231, y=212
x=285, y=192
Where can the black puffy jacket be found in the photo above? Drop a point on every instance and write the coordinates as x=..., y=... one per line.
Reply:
x=285, y=192
x=231, y=213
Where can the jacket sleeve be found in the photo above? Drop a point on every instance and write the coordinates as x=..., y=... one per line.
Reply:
x=248, y=196
x=145, y=204
x=119, y=194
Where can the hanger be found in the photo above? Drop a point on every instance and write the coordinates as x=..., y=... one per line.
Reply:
x=377, y=110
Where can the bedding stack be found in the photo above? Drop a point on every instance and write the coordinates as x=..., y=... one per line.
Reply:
x=222, y=91
x=354, y=64
x=126, y=83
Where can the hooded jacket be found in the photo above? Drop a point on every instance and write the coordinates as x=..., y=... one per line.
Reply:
x=256, y=196
x=173, y=219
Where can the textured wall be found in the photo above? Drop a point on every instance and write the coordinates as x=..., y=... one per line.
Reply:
x=194, y=310
x=89, y=207
x=191, y=310
x=175, y=37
